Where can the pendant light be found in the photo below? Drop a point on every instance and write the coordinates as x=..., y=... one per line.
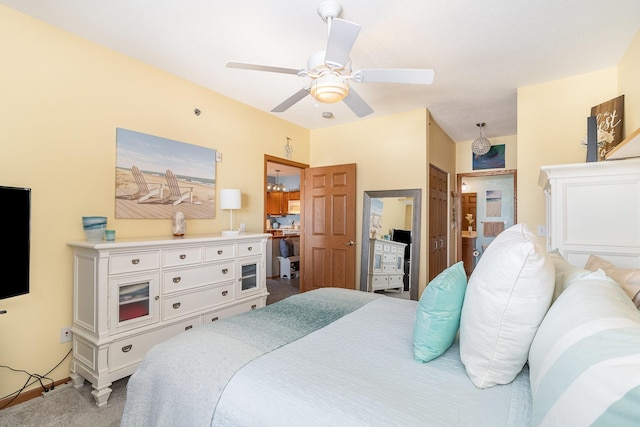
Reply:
x=480, y=145
x=277, y=186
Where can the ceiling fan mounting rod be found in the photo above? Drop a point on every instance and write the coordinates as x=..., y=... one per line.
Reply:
x=329, y=9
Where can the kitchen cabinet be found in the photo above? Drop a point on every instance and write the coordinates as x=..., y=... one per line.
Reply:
x=278, y=202
x=275, y=203
x=294, y=195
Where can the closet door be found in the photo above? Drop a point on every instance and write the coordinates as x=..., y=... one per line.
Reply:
x=438, y=215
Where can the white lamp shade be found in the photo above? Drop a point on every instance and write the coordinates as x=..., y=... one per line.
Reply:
x=230, y=199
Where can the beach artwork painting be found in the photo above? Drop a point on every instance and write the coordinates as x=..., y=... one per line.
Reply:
x=155, y=177
x=494, y=203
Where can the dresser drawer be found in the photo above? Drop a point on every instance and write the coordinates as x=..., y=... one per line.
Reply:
x=377, y=280
x=186, y=303
x=389, y=268
x=132, y=262
x=389, y=258
x=249, y=248
x=183, y=256
x=396, y=279
x=188, y=278
x=130, y=350
x=219, y=252
x=223, y=313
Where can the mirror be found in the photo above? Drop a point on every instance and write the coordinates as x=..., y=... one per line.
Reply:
x=412, y=203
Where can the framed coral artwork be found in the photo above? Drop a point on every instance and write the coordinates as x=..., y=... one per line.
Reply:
x=157, y=177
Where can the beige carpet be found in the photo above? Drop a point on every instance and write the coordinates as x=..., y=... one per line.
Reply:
x=68, y=408
x=76, y=407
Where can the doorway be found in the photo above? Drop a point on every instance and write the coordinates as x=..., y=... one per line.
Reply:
x=280, y=223
x=491, y=198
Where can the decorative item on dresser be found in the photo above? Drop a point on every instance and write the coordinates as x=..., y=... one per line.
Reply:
x=386, y=269
x=131, y=294
x=230, y=199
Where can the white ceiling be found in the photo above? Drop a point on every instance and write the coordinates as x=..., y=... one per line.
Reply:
x=481, y=50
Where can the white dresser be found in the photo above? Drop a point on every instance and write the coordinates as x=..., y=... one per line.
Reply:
x=132, y=294
x=386, y=265
x=594, y=208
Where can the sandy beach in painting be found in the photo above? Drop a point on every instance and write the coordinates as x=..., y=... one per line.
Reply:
x=203, y=205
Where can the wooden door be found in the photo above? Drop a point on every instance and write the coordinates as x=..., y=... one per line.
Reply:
x=438, y=220
x=329, y=227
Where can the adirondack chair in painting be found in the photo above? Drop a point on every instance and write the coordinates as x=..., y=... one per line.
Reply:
x=176, y=193
x=145, y=190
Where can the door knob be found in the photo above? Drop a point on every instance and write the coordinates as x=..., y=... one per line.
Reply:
x=350, y=243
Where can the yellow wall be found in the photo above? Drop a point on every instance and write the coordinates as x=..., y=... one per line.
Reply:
x=393, y=215
x=390, y=154
x=629, y=85
x=552, y=120
x=464, y=161
x=61, y=100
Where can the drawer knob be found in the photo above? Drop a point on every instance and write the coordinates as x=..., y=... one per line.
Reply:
x=157, y=297
x=225, y=270
x=220, y=251
x=253, y=307
x=214, y=319
x=250, y=248
x=183, y=256
x=176, y=279
x=186, y=328
x=127, y=348
x=176, y=305
x=135, y=261
x=224, y=293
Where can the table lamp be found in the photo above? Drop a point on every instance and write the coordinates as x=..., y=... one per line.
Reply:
x=230, y=199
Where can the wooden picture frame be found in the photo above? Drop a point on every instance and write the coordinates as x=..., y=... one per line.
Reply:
x=609, y=118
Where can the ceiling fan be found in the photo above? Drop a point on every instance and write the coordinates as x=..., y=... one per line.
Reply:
x=330, y=69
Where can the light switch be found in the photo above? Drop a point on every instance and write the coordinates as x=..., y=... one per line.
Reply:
x=542, y=230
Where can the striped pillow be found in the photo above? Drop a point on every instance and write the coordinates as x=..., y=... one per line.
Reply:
x=585, y=359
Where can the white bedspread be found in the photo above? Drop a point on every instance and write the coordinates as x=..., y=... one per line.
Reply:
x=358, y=371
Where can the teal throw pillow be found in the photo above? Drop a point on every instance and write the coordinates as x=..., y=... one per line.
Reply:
x=438, y=313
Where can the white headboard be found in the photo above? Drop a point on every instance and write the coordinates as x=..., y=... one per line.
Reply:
x=594, y=208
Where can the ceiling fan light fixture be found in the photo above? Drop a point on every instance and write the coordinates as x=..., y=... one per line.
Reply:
x=481, y=145
x=329, y=89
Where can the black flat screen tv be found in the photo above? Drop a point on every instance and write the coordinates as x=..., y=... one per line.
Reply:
x=15, y=219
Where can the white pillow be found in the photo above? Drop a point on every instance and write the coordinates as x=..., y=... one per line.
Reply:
x=507, y=297
x=629, y=279
x=566, y=273
x=584, y=363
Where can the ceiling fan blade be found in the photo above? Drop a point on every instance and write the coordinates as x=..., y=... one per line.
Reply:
x=357, y=104
x=342, y=36
x=389, y=75
x=256, y=67
x=284, y=105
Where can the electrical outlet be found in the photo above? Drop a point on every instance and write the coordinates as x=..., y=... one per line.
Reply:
x=65, y=334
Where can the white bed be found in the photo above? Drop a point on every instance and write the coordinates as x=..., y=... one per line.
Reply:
x=357, y=370
x=336, y=357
